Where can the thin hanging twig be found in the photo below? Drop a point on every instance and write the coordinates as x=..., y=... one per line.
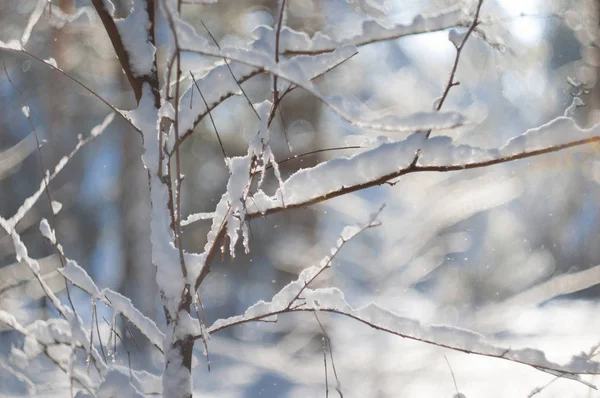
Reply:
x=210, y=116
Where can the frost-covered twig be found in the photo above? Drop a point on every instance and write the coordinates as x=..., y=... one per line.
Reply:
x=10, y=223
x=346, y=236
x=21, y=377
x=27, y=112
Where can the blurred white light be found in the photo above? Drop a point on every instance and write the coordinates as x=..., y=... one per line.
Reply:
x=525, y=27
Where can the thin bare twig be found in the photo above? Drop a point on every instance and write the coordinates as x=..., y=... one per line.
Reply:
x=230, y=72
x=202, y=334
x=324, y=346
x=76, y=81
x=275, y=77
x=301, y=155
x=451, y=83
x=327, y=340
x=453, y=378
x=211, y=117
x=95, y=316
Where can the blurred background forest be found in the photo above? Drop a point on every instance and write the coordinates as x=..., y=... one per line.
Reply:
x=509, y=251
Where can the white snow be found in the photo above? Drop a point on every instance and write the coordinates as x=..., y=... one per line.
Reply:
x=164, y=254
x=192, y=218
x=9, y=319
x=56, y=207
x=117, y=384
x=79, y=277
x=47, y=231
x=99, y=129
x=441, y=150
x=332, y=300
x=176, y=378
x=119, y=303
x=239, y=180
x=124, y=306
x=216, y=85
x=293, y=40
x=51, y=62
x=456, y=37
x=11, y=45
x=135, y=35
x=21, y=251
x=186, y=326
x=33, y=20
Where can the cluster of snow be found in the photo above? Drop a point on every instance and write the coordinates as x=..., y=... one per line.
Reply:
x=134, y=31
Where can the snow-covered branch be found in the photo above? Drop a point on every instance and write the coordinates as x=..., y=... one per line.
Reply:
x=391, y=160
x=120, y=304
x=299, y=43
x=298, y=70
x=332, y=300
x=10, y=223
x=132, y=40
